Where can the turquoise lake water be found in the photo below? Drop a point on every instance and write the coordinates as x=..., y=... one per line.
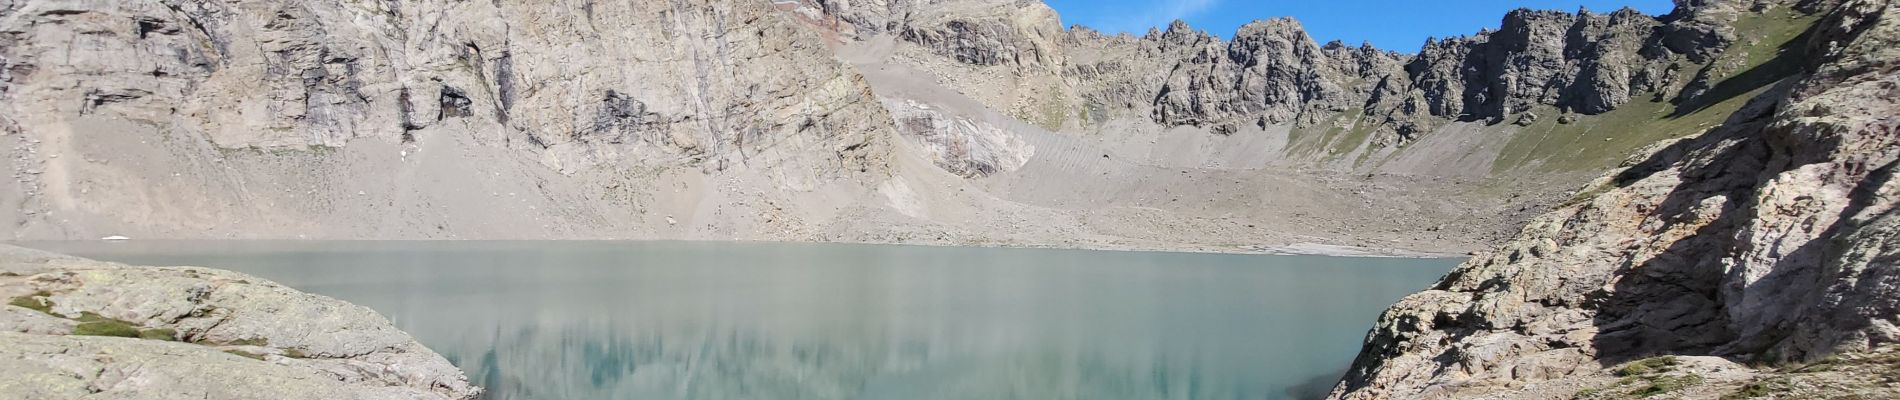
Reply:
x=713, y=320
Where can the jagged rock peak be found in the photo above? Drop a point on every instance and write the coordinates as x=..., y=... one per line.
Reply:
x=1281, y=26
x=1180, y=26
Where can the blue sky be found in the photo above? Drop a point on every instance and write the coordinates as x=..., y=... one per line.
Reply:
x=1400, y=25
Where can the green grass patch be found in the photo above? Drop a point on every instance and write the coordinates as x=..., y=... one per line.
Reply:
x=1303, y=142
x=249, y=342
x=1772, y=31
x=113, y=328
x=1599, y=142
x=1892, y=363
x=1054, y=110
x=1333, y=142
x=88, y=316
x=295, y=353
x=93, y=324
x=1584, y=196
x=38, y=301
x=1822, y=365
x=1759, y=389
x=1770, y=50
x=1647, y=366
x=1633, y=369
x=165, y=334
x=1359, y=136
x=246, y=354
x=1666, y=384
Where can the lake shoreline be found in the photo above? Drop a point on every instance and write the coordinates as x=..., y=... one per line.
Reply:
x=604, y=319
x=1295, y=249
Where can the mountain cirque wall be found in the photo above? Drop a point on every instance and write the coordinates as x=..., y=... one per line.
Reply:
x=1273, y=73
x=1770, y=240
x=77, y=328
x=420, y=118
x=913, y=121
x=595, y=84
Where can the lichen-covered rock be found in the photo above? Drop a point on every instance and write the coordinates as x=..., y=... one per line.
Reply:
x=1769, y=240
x=200, y=333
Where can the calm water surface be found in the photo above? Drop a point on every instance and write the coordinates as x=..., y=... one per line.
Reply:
x=693, y=320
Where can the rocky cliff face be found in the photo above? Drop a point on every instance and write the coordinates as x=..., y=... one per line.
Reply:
x=978, y=32
x=76, y=328
x=1271, y=70
x=943, y=121
x=1273, y=74
x=696, y=82
x=1768, y=240
x=127, y=113
x=1586, y=63
x=1547, y=100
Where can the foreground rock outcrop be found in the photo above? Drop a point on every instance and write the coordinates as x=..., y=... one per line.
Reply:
x=1769, y=241
x=77, y=328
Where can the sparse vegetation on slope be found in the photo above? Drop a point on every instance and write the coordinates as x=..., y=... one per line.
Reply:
x=1765, y=240
x=1598, y=142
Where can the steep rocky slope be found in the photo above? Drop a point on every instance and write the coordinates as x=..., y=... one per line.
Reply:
x=917, y=121
x=1272, y=78
x=187, y=118
x=76, y=328
x=1272, y=101
x=1767, y=241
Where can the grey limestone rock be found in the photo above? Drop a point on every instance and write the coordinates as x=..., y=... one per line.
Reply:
x=204, y=333
x=1575, y=62
x=714, y=80
x=1767, y=240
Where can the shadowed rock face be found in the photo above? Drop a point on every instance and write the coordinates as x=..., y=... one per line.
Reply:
x=197, y=333
x=1769, y=239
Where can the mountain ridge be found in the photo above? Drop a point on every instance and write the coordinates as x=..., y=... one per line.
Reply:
x=930, y=122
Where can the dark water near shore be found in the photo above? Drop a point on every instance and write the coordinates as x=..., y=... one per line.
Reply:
x=702, y=320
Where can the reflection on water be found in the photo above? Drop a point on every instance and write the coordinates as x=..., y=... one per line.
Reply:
x=692, y=320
